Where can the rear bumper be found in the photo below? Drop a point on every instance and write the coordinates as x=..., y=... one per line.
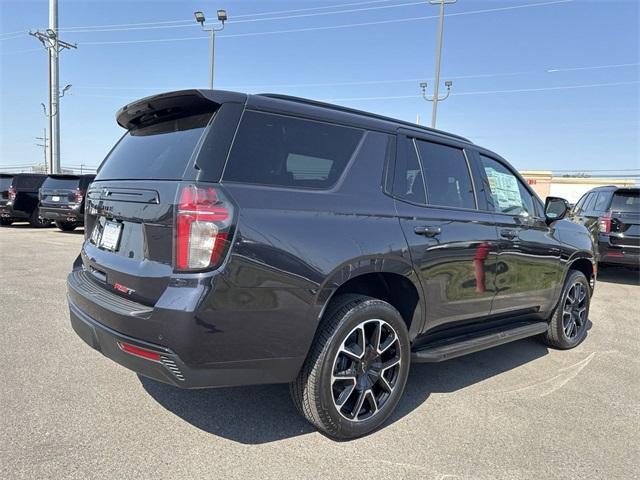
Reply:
x=7, y=211
x=88, y=304
x=618, y=254
x=61, y=214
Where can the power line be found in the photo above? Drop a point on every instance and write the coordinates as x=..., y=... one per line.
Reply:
x=490, y=92
x=286, y=17
x=333, y=27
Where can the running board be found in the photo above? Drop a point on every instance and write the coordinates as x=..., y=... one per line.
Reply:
x=462, y=345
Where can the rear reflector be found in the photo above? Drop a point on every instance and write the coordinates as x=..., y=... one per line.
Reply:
x=203, y=224
x=139, y=352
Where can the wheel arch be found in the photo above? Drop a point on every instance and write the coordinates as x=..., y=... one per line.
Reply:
x=392, y=280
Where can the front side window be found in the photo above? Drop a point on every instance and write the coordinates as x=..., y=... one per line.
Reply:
x=446, y=175
x=507, y=193
x=290, y=152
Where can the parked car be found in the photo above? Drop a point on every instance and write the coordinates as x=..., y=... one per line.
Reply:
x=19, y=202
x=236, y=239
x=62, y=200
x=612, y=215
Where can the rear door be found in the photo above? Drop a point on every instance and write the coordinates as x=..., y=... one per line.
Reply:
x=528, y=264
x=452, y=244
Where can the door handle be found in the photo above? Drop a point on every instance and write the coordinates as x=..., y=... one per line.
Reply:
x=508, y=233
x=427, y=231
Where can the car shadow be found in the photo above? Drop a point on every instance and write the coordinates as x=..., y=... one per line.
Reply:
x=26, y=225
x=618, y=274
x=265, y=413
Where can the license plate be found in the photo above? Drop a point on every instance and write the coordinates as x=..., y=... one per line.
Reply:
x=55, y=198
x=111, y=235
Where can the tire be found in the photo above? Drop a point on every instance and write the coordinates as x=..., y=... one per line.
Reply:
x=36, y=222
x=66, y=226
x=568, y=325
x=370, y=386
x=5, y=222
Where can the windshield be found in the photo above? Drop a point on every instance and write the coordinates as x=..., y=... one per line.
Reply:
x=160, y=151
x=626, y=201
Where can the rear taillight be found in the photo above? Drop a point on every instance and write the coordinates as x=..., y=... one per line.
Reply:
x=78, y=196
x=12, y=194
x=203, y=228
x=604, y=223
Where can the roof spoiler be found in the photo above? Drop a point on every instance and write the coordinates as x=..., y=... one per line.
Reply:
x=150, y=110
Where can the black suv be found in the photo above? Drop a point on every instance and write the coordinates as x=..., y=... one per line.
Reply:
x=62, y=200
x=612, y=215
x=19, y=202
x=236, y=239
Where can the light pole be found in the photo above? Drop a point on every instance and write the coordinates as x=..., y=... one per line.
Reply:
x=435, y=99
x=200, y=18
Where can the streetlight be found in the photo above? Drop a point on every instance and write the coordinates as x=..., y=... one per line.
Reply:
x=200, y=18
x=436, y=98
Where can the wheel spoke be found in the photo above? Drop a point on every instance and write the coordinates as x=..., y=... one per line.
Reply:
x=355, y=351
x=358, y=405
x=372, y=401
x=345, y=394
x=389, y=364
x=390, y=340
x=377, y=337
x=344, y=375
x=385, y=384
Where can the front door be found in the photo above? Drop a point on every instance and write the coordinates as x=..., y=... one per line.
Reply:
x=452, y=244
x=528, y=266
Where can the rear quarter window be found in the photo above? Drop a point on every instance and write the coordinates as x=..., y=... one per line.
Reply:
x=5, y=183
x=290, y=152
x=161, y=151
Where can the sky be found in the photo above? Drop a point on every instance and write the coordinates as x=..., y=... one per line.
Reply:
x=546, y=84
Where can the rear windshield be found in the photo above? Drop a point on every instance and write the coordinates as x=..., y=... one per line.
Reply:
x=160, y=151
x=5, y=183
x=626, y=201
x=61, y=183
x=290, y=152
x=27, y=182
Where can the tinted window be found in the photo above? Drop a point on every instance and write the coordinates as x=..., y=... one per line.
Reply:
x=578, y=207
x=626, y=201
x=66, y=182
x=5, y=183
x=408, y=182
x=446, y=175
x=507, y=193
x=160, y=151
x=27, y=182
x=588, y=204
x=290, y=152
x=602, y=201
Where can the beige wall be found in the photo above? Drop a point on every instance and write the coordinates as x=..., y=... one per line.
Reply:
x=569, y=188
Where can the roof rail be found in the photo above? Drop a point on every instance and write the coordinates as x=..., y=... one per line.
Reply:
x=360, y=112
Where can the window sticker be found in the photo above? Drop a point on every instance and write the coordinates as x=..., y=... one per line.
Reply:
x=504, y=189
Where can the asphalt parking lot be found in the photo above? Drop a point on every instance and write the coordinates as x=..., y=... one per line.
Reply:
x=517, y=411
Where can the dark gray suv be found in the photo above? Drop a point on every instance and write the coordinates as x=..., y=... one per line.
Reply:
x=237, y=239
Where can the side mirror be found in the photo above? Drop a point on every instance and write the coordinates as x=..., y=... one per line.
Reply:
x=555, y=208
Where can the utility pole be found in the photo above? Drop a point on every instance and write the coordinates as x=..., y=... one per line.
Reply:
x=200, y=18
x=44, y=146
x=436, y=98
x=54, y=46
